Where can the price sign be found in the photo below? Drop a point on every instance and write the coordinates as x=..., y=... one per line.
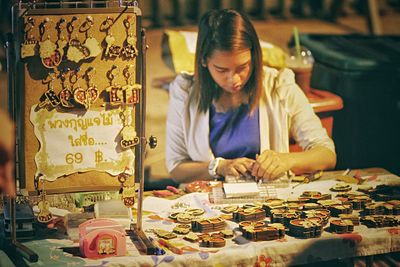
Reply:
x=79, y=142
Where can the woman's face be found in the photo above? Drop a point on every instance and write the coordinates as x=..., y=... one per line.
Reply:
x=230, y=69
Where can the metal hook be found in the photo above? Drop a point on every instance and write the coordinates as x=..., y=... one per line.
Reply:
x=31, y=23
x=86, y=25
x=90, y=69
x=127, y=24
x=70, y=24
x=74, y=76
x=122, y=177
x=107, y=23
x=63, y=73
x=110, y=74
x=49, y=79
x=42, y=26
x=59, y=25
x=89, y=73
x=126, y=72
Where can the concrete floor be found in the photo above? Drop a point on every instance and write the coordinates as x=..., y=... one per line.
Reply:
x=272, y=30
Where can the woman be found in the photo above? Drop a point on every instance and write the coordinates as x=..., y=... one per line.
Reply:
x=234, y=117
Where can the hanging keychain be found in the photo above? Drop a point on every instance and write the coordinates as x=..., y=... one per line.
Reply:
x=61, y=42
x=76, y=52
x=111, y=50
x=114, y=90
x=131, y=91
x=128, y=192
x=91, y=43
x=129, y=51
x=78, y=92
x=44, y=215
x=91, y=94
x=49, y=97
x=128, y=133
x=48, y=52
x=28, y=48
x=66, y=96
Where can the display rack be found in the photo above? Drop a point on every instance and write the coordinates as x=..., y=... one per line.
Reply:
x=73, y=59
x=38, y=84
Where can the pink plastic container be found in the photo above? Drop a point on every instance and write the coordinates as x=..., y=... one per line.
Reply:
x=100, y=238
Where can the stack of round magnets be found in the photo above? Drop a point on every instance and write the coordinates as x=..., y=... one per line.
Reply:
x=341, y=187
x=340, y=209
x=182, y=229
x=212, y=241
x=306, y=228
x=341, y=226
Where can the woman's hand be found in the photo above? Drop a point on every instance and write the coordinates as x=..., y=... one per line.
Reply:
x=235, y=167
x=271, y=165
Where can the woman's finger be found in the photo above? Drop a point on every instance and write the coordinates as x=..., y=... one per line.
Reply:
x=265, y=166
x=232, y=171
x=261, y=170
x=241, y=168
x=246, y=161
x=255, y=168
x=266, y=154
x=269, y=170
x=277, y=173
x=263, y=156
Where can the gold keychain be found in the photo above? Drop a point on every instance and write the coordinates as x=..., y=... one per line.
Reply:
x=66, y=96
x=110, y=40
x=130, y=91
x=61, y=42
x=28, y=48
x=49, y=97
x=48, y=52
x=128, y=192
x=92, y=94
x=114, y=90
x=128, y=132
x=78, y=92
x=46, y=47
x=76, y=52
x=44, y=215
x=129, y=51
x=111, y=50
x=91, y=43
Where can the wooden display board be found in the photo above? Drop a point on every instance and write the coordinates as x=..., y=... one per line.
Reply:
x=85, y=120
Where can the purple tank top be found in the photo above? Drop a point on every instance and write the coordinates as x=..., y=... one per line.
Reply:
x=235, y=134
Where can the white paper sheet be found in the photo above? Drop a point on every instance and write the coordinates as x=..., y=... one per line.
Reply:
x=163, y=206
x=241, y=189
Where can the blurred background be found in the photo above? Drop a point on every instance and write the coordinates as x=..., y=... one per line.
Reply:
x=274, y=21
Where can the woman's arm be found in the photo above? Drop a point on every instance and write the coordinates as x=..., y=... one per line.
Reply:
x=176, y=145
x=305, y=127
x=314, y=159
x=271, y=164
x=192, y=170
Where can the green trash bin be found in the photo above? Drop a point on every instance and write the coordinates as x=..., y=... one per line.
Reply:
x=365, y=72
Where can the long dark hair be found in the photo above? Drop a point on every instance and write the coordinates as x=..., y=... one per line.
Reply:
x=226, y=30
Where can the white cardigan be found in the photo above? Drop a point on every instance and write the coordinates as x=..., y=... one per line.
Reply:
x=284, y=111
